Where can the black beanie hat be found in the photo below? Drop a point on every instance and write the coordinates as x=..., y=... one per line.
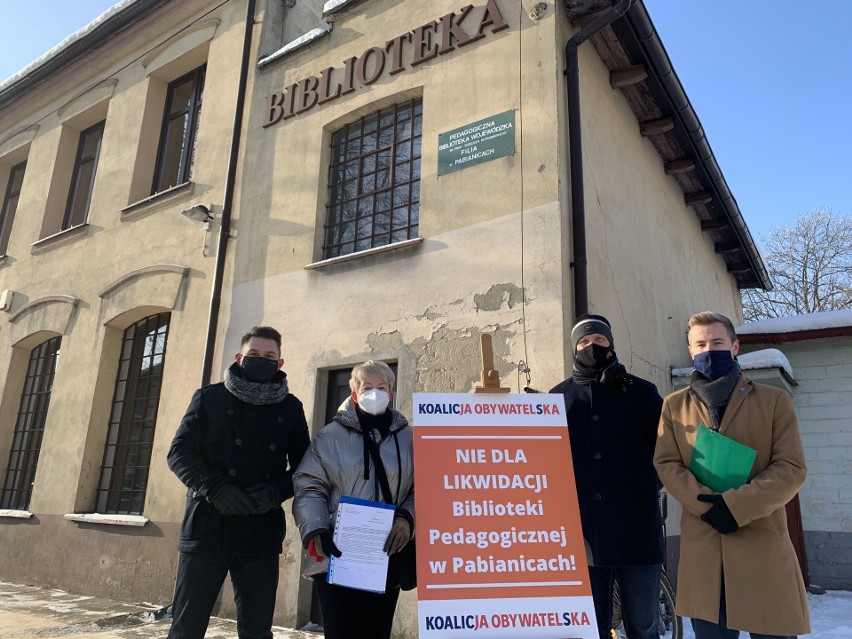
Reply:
x=586, y=324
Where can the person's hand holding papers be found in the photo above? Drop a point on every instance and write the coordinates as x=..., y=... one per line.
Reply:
x=399, y=535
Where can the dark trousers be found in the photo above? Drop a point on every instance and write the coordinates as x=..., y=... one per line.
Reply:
x=709, y=630
x=199, y=580
x=640, y=599
x=355, y=614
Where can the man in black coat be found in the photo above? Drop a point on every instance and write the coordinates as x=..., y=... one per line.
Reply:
x=236, y=449
x=612, y=425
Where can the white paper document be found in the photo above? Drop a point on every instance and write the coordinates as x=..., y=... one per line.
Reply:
x=360, y=531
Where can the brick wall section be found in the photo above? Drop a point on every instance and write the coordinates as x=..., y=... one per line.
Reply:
x=823, y=399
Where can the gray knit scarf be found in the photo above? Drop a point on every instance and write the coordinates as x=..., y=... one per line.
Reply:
x=714, y=394
x=256, y=393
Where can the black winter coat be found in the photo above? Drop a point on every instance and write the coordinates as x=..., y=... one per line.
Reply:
x=223, y=439
x=613, y=433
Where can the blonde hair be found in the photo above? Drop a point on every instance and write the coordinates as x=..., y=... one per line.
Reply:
x=371, y=368
x=705, y=318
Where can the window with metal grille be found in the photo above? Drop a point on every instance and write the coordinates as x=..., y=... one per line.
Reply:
x=10, y=204
x=179, y=135
x=374, y=181
x=127, y=455
x=29, y=428
x=83, y=177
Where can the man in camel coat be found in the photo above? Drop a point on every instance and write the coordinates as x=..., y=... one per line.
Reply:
x=738, y=569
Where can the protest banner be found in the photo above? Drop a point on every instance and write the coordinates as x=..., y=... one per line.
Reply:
x=500, y=549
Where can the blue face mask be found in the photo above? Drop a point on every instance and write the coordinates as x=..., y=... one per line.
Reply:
x=713, y=364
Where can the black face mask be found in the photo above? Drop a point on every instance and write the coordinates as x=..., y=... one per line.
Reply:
x=595, y=357
x=258, y=369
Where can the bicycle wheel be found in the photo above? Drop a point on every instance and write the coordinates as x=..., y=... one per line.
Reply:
x=671, y=626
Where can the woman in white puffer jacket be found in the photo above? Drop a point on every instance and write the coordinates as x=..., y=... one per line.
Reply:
x=338, y=464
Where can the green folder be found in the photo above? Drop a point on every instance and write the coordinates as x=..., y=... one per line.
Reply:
x=719, y=462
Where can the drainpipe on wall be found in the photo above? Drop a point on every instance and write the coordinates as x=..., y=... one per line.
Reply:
x=227, y=205
x=575, y=151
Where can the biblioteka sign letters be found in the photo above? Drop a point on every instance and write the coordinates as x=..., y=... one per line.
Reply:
x=423, y=43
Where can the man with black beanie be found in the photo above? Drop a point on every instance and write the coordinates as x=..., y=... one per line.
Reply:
x=612, y=424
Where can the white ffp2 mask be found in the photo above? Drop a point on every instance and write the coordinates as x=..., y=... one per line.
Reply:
x=374, y=401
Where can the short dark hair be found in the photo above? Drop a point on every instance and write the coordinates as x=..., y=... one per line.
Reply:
x=264, y=332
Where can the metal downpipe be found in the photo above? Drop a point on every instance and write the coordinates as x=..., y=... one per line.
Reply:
x=227, y=205
x=575, y=151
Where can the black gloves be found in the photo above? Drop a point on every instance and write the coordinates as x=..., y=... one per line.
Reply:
x=230, y=499
x=719, y=516
x=265, y=497
x=320, y=545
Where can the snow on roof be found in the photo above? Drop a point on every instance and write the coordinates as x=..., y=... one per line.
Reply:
x=333, y=5
x=764, y=358
x=795, y=323
x=299, y=42
x=64, y=44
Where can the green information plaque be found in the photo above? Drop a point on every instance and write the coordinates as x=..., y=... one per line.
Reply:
x=477, y=142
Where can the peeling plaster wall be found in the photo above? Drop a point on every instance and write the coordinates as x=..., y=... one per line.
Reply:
x=433, y=334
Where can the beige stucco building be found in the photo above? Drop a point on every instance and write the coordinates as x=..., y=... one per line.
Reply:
x=399, y=181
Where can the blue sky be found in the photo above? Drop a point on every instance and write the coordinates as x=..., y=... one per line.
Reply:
x=771, y=81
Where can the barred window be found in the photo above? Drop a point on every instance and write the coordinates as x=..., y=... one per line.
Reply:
x=374, y=181
x=127, y=456
x=29, y=428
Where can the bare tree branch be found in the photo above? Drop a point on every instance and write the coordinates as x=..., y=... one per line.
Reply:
x=810, y=264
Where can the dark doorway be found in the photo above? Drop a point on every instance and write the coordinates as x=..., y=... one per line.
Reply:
x=794, y=528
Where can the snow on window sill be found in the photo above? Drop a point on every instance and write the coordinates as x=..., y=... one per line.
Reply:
x=359, y=254
x=15, y=514
x=112, y=520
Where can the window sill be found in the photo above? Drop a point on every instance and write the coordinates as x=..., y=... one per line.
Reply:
x=15, y=514
x=60, y=239
x=365, y=253
x=111, y=520
x=137, y=209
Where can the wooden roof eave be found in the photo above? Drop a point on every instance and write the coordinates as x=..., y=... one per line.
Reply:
x=640, y=68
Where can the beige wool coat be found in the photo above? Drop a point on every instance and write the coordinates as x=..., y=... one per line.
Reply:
x=764, y=590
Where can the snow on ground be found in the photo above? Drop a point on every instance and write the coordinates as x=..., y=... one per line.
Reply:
x=831, y=617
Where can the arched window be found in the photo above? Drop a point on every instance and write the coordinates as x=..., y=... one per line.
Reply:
x=133, y=418
x=29, y=427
